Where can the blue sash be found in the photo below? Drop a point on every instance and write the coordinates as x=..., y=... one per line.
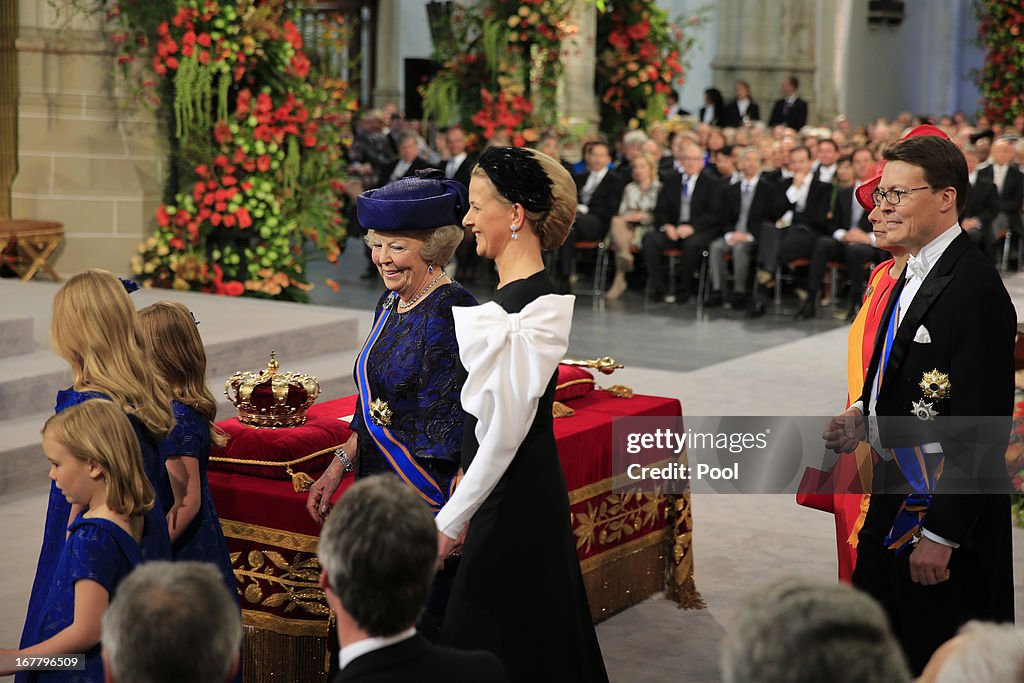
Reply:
x=922, y=470
x=398, y=456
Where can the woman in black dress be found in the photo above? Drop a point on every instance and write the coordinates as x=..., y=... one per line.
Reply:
x=519, y=591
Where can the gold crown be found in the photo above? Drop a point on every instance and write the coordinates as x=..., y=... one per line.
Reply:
x=270, y=398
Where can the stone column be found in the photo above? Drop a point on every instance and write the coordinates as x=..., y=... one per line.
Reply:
x=387, y=89
x=577, y=101
x=87, y=156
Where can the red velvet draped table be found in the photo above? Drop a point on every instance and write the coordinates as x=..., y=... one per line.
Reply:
x=630, y=545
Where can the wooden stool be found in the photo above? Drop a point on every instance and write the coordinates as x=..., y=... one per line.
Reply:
x=36, y=241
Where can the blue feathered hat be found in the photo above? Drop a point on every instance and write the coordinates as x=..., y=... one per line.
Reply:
x=423, y=202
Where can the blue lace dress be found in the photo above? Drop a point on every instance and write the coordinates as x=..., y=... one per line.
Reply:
x=96, y=549
x=59, y=509
x=203, y=540
x=414, y=367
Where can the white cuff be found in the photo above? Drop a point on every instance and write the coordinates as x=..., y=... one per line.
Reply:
x=582, y=209
x=839, y=234
x=938, y=539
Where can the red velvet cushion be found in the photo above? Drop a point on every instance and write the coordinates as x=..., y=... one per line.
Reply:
x=573, y=382
x=322, y=430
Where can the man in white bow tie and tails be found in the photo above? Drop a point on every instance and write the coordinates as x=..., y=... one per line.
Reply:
x=935, y=559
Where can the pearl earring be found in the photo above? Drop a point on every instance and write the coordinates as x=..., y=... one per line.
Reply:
x=515, y=231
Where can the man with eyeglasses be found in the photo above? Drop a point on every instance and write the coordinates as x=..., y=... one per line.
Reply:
x=935, y=548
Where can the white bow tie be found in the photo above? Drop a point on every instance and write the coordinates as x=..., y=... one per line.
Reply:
x=916, y=268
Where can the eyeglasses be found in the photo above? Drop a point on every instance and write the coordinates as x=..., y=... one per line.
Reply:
x=894, y=196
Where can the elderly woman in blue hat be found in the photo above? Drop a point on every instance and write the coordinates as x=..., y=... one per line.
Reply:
x=408, y=420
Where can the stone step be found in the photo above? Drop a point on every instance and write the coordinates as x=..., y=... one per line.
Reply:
x=15, y=335
x=22, y=464
x=29, y=383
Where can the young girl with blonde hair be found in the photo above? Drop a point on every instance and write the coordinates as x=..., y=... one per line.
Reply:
x=96, y=464
x=95, y=329
x=180, y=360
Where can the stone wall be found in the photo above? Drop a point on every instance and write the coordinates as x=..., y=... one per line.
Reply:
x=86, y=156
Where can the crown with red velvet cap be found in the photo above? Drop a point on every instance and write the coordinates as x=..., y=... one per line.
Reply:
x=865, y=191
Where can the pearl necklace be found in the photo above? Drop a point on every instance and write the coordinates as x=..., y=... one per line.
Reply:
x=412, y=301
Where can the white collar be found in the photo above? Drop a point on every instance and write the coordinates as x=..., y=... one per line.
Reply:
x=600, y=174
x=458, y=158
x=367, y=645
x=930, y=253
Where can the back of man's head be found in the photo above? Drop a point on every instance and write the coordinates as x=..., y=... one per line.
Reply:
x=980, y=653
x=801, y=631
x=172, y=623
x=379, y=549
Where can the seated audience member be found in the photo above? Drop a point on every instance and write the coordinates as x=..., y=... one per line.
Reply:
x=459, y=162
x=634, y=220
x=378, y=553
x=632, y=146
x=801, y=631
x=550, y=143
x=800, y=227
x=791, y=110
x=749, y=208
x=844, y=176
x=600, y=191
x=1009, y=182
x=741, y=110
x=981, y=208
x=725, y=164
x=672, y=108
x=687, y=218
x=408, y=161
x=826, y=160
x=172, y=622
x=980, y=653
x=713, y=107
x=851, y=241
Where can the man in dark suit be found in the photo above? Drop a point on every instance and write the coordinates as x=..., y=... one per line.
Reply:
x=981, y=208
x=800, y=226
x=791, y=110
x=852, y=241
x=599, y=191
x=750, y=207
x=458, y=166
x=935, y=548
x=740, y=110
x=378, y=553
x=408, y=161
x=686, y=217
x=1009, y=181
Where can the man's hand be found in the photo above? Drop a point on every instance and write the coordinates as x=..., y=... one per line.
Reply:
x=929, y=562
x=670, y=232
x=684, y=230
x=733, y=238
x=843, y=432
x=970, y=223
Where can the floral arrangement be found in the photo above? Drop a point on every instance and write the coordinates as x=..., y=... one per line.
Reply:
x=256, y=136
x=1001, y=78
x=643, y=59
x=502, y=60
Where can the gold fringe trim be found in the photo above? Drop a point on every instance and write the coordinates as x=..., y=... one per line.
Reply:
x=286, y=627
x=680, y=585
x=272, y=537
x=619, y=391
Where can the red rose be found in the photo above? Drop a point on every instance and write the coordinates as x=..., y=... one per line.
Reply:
x=234, y=288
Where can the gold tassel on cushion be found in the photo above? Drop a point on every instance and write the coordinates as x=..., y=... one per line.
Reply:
x=301, y=481
x=559, y=409
x=620, y=391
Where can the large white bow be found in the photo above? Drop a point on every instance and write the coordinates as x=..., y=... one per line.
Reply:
x=510, y=358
